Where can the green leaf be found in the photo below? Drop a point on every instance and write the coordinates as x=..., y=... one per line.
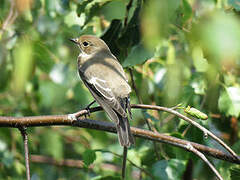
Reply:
x=147, y=115
x=131, y=33
x=111, y=36
x=138, y=55
x=107, y=178
x=72, y=19
x=134, y=156
x=175, y=169
x=82, y=6
x=4, y=71
x=114, y=10
x=159, y=169
x=235, y=4
x=147, y=155
x=20, y=168
x=156, y=19
x=23, y=65
x=90, y=8
x=50, y=93
x=187, y=10
x=218, y=35
x=199, y=61
x=52, y=144
x=7, y=159
x=42, y=56
x=89, y=156
x=229, y=101
x=171, y=170
x=53, y=7
x=199, y=85
x=235, y=173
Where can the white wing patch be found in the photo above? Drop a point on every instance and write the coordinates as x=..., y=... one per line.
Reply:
x=101, y=86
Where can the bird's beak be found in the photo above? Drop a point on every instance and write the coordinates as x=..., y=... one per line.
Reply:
x=74, y=40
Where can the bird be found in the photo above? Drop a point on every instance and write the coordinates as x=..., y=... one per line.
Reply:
x=105, y=78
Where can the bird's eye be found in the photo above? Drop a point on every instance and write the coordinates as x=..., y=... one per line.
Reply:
x=85, y=43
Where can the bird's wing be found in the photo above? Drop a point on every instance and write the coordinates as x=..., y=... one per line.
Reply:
x=122, y=124
x=101, y=88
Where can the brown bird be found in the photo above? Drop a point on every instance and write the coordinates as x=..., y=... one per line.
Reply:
x=103, y=75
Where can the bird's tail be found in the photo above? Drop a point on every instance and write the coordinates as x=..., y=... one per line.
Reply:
x=125, y=136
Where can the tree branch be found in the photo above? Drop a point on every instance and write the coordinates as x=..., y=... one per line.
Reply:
x=50, y=120
x=201, y=155
x=205, y=131
x=66, y=162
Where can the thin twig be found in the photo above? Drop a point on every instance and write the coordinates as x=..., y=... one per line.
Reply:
x=131, y=162
x=128, y=7
x=25, y=140
x=66, y=162
x=182, y=28
x=72, y=163
x=10, y=18
x=124, y=162
x=205, y=131
x=134, y=86
x=201, y=155
x=140, y=101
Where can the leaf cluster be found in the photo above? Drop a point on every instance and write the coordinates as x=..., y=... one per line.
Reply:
x=184, y=52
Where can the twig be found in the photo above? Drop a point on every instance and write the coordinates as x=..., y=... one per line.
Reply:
x=72, y=163
x=49, y=160
x=201, y=155
x=205, y=131
x=132, y=163
x=182, y=28
x=10, y=18
x=25, y=140
x=128, y=7
x=140, y=101
x=134, y=86
x=124, y=162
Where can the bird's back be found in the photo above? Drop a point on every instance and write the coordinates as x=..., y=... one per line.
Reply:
x=108, y=69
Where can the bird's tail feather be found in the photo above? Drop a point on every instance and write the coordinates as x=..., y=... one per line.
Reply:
x=125, y=136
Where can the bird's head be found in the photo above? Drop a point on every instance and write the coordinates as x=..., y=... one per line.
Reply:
x=90, y=44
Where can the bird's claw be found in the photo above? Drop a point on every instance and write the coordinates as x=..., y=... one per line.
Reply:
x=88, y=109
x=88, y=112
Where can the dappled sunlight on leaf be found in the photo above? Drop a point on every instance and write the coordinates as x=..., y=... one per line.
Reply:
x=23, y=66
x=229, y=101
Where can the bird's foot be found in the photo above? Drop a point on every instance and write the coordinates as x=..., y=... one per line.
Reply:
x=87, y=115
x=88, y=109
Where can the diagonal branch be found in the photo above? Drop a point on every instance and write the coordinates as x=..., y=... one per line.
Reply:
x=51, y=120
x=201, y=155
x=205, y=131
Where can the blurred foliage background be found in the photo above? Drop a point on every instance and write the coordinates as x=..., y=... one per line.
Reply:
x=185, y=51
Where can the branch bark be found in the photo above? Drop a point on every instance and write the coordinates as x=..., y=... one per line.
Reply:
x=51, y=120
